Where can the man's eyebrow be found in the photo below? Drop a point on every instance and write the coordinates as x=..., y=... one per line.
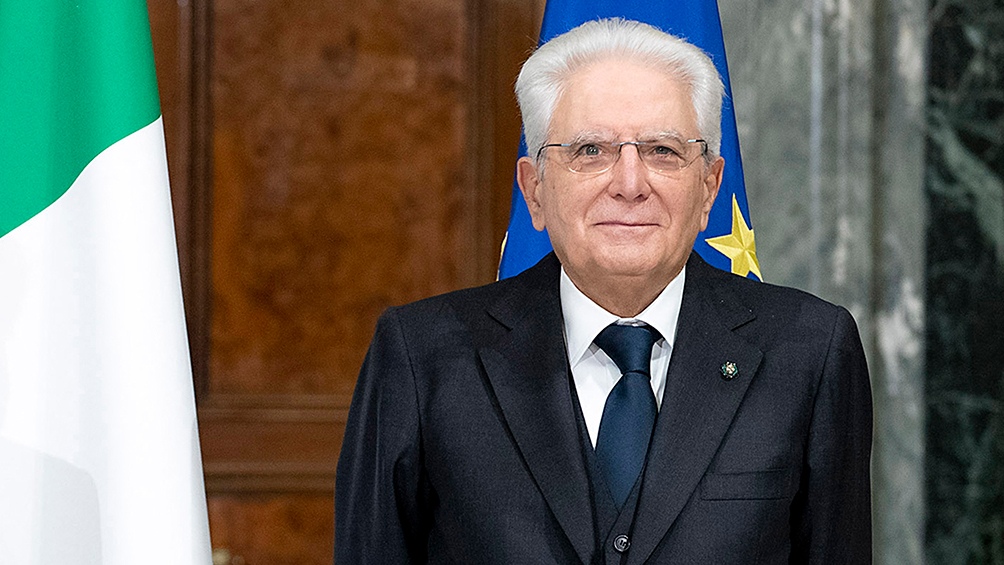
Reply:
x=587, y=136
x=666, y=134
x=591, y=136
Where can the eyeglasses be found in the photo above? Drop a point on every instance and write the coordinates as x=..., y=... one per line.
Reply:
x=663, y=156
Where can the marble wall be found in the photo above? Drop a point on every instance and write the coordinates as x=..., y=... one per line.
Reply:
x=964, y=184
x=873, y=145
x=830, y=100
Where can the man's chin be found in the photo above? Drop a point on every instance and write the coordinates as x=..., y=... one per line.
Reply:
x=628, y=265
x=626, y=262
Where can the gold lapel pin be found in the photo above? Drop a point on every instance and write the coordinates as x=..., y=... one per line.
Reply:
x=729, y=370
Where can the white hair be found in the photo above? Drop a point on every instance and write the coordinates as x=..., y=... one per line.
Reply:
x=544, y=74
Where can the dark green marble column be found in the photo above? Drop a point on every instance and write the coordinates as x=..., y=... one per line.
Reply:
x=964, y=464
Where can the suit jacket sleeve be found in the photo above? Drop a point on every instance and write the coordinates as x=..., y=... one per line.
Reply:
x=380, y=492
x=832, y=512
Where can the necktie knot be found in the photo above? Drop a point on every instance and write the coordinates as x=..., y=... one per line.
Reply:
x=629, y=347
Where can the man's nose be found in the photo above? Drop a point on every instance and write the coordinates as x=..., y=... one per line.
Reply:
x=630, y=175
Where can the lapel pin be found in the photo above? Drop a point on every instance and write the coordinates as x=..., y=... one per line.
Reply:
x=729, y=370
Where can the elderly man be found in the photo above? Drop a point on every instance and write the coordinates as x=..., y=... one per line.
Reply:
x=621, y=401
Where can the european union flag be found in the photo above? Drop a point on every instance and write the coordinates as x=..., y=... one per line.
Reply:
x=727, y=243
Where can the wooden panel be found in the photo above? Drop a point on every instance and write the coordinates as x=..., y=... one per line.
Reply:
x=339, y=186
x=272, y=529
x=328, y=159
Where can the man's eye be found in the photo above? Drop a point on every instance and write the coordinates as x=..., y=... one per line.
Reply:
x=589, y=150
x=664, y=151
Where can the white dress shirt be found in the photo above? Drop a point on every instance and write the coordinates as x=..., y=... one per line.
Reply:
x=593, y=372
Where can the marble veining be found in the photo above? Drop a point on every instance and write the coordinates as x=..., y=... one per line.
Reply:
x=829, y=98
x=965, y=284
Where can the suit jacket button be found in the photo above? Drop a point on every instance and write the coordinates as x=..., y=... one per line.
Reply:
x=622, y=543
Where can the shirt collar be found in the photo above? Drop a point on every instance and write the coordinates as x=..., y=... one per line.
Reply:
x=584, y=319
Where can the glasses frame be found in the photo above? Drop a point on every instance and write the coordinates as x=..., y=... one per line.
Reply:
x=620, y=146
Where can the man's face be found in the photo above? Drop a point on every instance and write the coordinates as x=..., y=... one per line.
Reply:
x=628, y=221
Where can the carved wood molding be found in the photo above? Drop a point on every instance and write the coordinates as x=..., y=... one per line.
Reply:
x=287, y=443
x=198, y=299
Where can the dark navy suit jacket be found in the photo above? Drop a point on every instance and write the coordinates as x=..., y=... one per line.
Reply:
x=462, y=444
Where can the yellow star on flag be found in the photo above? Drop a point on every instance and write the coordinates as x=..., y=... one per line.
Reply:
x=739, y=246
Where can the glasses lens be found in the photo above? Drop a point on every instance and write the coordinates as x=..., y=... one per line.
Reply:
x=591, y=157
x=669, y=155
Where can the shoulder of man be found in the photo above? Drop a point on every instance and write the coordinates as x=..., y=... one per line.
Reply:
x=770, y=304
x=473, y=307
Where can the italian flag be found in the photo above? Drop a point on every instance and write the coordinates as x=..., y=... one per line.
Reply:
x=99, y=451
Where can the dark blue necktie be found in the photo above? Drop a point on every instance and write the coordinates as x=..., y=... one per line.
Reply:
x=629, y=413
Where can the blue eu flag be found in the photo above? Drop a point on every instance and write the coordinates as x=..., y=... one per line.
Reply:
x=727, y=243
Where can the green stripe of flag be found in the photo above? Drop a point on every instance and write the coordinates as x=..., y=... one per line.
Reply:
x=75, y=77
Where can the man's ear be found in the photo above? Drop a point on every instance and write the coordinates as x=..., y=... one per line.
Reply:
x=711, y=183
x=529, y=181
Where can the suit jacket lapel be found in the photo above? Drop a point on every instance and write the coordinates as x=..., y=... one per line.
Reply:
x=698, y=404
x=528, y=372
